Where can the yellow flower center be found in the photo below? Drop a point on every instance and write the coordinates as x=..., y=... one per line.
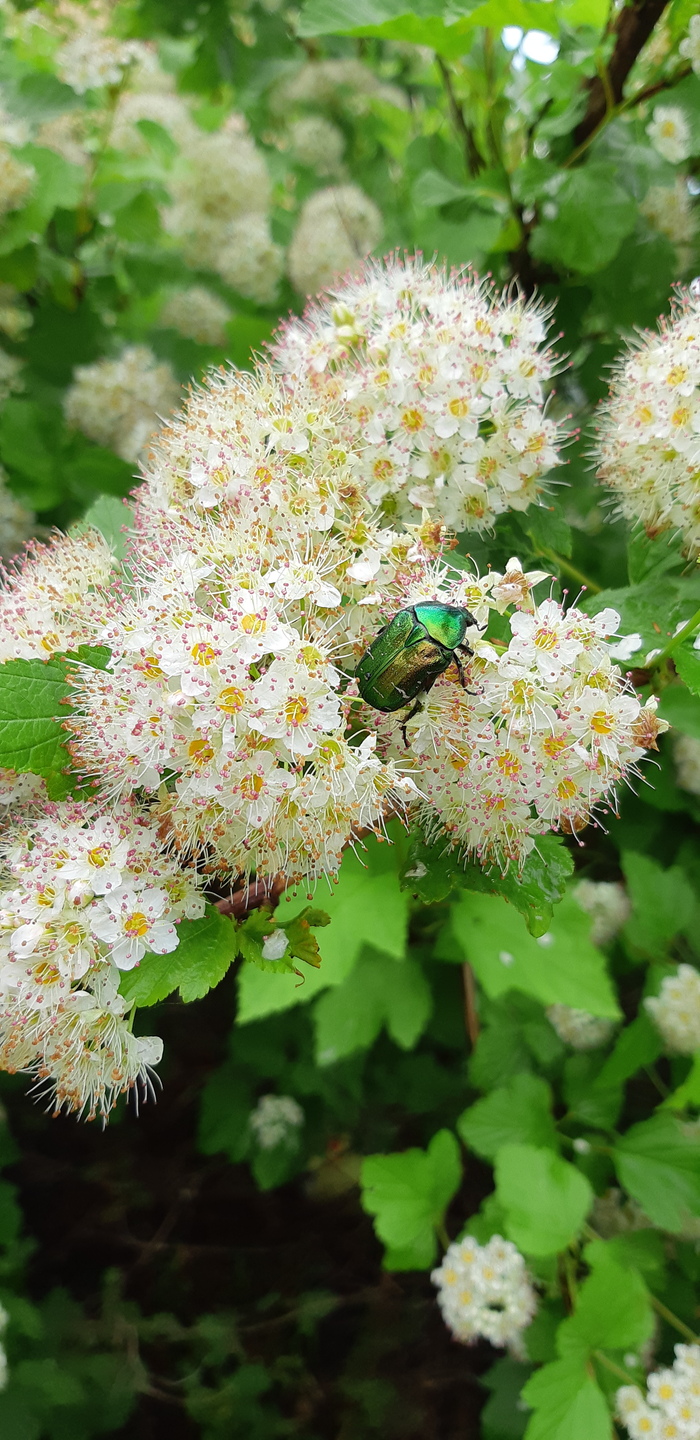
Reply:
x=412, y=420
x=553, y=746
x=602, y=723
x=136, y=923
x=203, y=653
x=253, y=624
x=230, y=700
x=296, y=710
x=200, y=752
x=566, y=789
x=98, y=856
x=509, y=764
x=459, y=407
x=546, y=639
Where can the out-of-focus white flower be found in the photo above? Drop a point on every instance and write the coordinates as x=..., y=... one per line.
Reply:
x=119, y=403
x=607, y=903
x=670, y=1410
x=317, y=143
x=676, y=1010
x=669, y=133
x=345, y=85
x=485, y=1292
x=336, y=229
x=54, y=599
x=579, y=1029
x=686, y=754
x=15, y=317
x=90, y=60
x=67, y=135
x=276, y=1120
x=16, y=180
x=249, y=260
x=198, y=314
x=690, y=47
x=669, y=209
x=16, y=523
x=615, y=1214
x=4, y=1370
x=648, y=445
x=10, y=374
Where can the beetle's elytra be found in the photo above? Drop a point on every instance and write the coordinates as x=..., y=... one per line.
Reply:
x=409, y=654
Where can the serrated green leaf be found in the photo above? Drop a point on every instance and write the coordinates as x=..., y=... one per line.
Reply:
x=545, y=1199
x=659, y=1164
x=408, y=1195
x=687, y=663
x=592, y=215
x=206, y=949
x=31, y=713
x=687, y=1094
x=613, y=1306
x=536, y=890
x=681, y=708
x=567, y=1402
x=637, y=1045
x=561, y=967
x=430, y=872
x=662, y=902
x=111, y=517
x=548, y=529
x=377, y=993
x=518, y=1112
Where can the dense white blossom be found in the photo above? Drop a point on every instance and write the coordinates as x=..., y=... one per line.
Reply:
x=344, y=85
x=669, y=209
x=444, y=382
x=485, y=1292
x=15, y=315
x=648, y=445
x=276, y=1120
x=579, y=1029
x=55, y=598
x=686, y=754
x=690, y=46
x=120, y=403
x=669, y=133
x=16, y=523
x=676, y=1010
x=670, y=1410
x=249, y=260
x=198, y=314
x=317, y=143
x=90, y=59
x=607, y=903
x=336, y=229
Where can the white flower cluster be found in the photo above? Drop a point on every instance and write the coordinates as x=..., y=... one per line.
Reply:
x=670, y=1410
x=10, y=374
x=317, y=143
x=579, y=1029
x=648, y=445
x=336, y=229
x=690, y=47
x=89, y=893
x=485, y=1292
x=220, y=212
x=16, y=180
x=607, y=903
x=54, y=599
x=120, y=403
x=197, y=314
x=15, y=315
x=16, y=523
x=669, y=210
x=676, y=1010
x=686, y=754
x=91, y=59
x=444, y=382
x=276, y=1120
x=669, y=133
x=343, y=85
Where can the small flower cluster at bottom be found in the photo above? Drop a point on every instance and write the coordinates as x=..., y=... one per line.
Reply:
x=671, y=1408
x=485, y=1292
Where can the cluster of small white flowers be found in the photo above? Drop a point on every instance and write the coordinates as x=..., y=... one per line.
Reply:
x=276, y=1120
x=68, y=135
x=120, y=403
x=607, y=903
x=579, y=1029
x=336, y=229
x=151, y=95
x=89, y=893
x=220, y=212
x=15, y=316
x=317, y=143
x=197, y=314
x=54, y=599
x=16, y=523
x=90, y=59
x=676, y=1010
x=686, y=754
x=27, y=789
x=690, y=47
x=485, y=1292
x=669, y=133
x=10, y=374
x=443, y=379
x=16, y=180
x=670, y=1410
x=648, y=444
x=344, y=85
x=668, y=208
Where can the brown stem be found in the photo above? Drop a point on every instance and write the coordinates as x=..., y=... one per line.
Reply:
x=251, y=897
x=631, y=30
x=474, y=160
x=471, y=1016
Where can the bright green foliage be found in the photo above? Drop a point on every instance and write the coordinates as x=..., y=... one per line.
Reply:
x=377, y=992
x=206, y=949
x=516, y=1113
x=407, y=1195
x=613, y=1308
x=658, y=1162
x=545, y=1199
x=662, y=902
x=33, y=697
x=567, y=1402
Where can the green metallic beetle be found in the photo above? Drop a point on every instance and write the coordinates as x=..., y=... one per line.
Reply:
x=407, y=656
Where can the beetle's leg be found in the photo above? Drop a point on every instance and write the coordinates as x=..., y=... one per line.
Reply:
x=415, y=710
x=460, y=667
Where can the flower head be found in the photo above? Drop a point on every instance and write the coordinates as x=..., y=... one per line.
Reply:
x=485, y=1292
x=676, y=1010
x=119, y=403
x=670, y=1410
x=669, y=133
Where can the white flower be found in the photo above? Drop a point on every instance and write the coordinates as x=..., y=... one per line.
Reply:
x=275, y=945
x=668, y=208
x=90, y=60
x=579, y=1029
x=676, y=1010
x=276, y=1120
x=626, y=647
x=119, y=403
x=337, y=228
x=485, y=1292
x=198, y=314
x=16, y=523
x=130, y=924
x=671, y=1408
x=669, y=133
x=317, y=143
x=608, y=904
x=690, y=47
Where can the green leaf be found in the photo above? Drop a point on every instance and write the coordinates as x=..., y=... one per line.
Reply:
x=502, y=1417
x=422, y=23
x=567, y=1402
x=27, y=446
x=378, y=992
x=58, y=183
x=111, y=517
x=224, y=1116
x=687, y=1094
x=687, y=663
x=681, y=709
x=430, y=872
x=613, y=1306
x=548, y=529
x=408, y=1195
x=32, y=693
x=545, y=1199
x=562, y=966
x=592, y=214
x=517, y=1112
x=639, y=1044
x=662, y=903
x=366, y=907
x=659, y=1164
x=433, y=189
x=536, y=890
x=18, y=1421
x=207, y=947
